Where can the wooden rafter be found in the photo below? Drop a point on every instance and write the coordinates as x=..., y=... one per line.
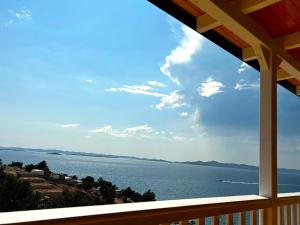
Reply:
x=206, y=22
x=298, y=90
x=249, y=6
x=249, y=54
x=247, y=29
x=263, y=56
x=283, y=75
x=290, y=41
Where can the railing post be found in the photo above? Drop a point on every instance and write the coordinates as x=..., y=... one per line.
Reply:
x=268, y=131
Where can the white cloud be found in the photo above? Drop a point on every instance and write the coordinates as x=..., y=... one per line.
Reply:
x=190, y=43
x=141, y=131
x=196, y=116
x=138, y=131
x=107, y=129
x=184, y=114
x=19, y=16
x=23, y=14
x=70, y=125
x=137, y=89
x=242, y=85
x=173, y=100
x=243, y=67
x=88, y=81
x=210, y=87
x=156, y=83
x=181, y=138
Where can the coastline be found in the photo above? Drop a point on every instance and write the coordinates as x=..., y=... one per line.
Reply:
x=42, y=189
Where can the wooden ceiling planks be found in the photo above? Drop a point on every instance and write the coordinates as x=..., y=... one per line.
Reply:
x=295, y=53
x=279, y=19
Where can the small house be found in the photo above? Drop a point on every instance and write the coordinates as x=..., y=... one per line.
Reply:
x=54, y=176
x=37, y=172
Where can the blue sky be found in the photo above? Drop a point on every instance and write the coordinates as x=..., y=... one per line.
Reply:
x=125, y=78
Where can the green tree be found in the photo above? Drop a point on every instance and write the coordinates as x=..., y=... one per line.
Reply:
x=131, y=194
x=128, y=192
x=16, y=164
x=88, y=182
x=148, y=196
x=16, y=194
x=73, y=199
x=29, y=167
x=43, y=166
x=137, y=197
x=1, y=170
x=107, y=190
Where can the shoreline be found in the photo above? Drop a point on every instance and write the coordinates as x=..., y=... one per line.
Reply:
x=56, y=190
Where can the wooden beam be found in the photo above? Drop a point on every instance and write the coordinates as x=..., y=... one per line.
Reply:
x=283, y=75
x=247, y=29
x=290, y=41
x=263, y=56
x=298, y=90
x=249, y=54
x=206, y=22
x=249, y=6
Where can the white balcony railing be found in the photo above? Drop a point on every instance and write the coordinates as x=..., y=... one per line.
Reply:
x=247, y=209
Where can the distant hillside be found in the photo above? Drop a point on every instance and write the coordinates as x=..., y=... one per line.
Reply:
x=195, y=163
x=63, y=152
x=219, y=164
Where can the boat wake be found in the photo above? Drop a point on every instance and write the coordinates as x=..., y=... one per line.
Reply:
x=254, y=183
x=238, y=182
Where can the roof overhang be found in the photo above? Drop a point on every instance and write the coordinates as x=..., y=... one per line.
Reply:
x=244, y=27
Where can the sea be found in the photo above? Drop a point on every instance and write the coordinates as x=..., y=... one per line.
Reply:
x=167, y=180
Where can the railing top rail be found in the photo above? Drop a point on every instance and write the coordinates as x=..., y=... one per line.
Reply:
x=288, y=198
x=138, y=213
x=289, y=195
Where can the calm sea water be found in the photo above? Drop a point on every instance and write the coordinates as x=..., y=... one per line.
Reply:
x=167, y=180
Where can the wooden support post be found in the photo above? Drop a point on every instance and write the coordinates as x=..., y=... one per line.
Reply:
x=184, y=222
x=215, y=220
x=294, y=214
x=268, y=126
x=280, y=216
x=253, y=217
x=242, y=218
x=229, y=219
x=298, y=214
x=268, y=131
x=201, y=221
